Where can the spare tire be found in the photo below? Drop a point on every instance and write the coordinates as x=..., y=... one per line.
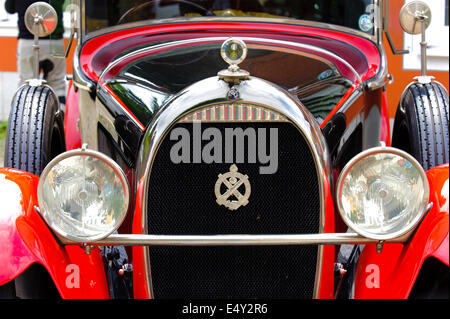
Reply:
x=421, y=124
x=35, y=133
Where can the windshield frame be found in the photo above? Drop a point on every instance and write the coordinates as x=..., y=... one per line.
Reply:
x=376, y=37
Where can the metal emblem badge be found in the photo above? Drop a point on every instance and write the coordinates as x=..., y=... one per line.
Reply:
x=233, y=180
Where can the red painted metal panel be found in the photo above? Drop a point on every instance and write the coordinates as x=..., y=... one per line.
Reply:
x=26, y=239
x=392, y=273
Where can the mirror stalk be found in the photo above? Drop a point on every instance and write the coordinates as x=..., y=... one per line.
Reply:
x=423, y=49
x=37, y=21
x=423, y=78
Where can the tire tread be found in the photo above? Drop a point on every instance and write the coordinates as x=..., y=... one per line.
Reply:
x=424, y=110
x=30, y=112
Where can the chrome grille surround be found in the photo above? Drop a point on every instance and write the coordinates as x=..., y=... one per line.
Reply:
x=212, y=92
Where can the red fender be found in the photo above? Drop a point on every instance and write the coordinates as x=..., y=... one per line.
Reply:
x=393, y=272
x=71, y=118
x=25, y=239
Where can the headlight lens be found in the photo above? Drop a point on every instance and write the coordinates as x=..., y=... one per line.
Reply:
x=83, y=195
x=382, y=193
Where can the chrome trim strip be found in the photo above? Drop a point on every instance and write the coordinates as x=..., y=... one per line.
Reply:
x=351, y=99
x=379, y=80
x=238, y=240
x=248, y=40
x=79, y=78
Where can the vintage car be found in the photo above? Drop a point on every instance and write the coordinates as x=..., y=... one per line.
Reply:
x=226, y=149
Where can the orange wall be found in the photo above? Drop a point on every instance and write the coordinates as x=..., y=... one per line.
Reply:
x=395, y=62
x=8, y=55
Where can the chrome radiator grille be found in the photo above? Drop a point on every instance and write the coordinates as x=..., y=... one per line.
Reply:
x=182, y=201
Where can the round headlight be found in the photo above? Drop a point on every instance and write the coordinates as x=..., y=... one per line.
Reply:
x=382, y=193
x=83, y=195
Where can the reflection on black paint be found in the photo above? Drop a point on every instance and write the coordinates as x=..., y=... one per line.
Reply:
x=312, y=81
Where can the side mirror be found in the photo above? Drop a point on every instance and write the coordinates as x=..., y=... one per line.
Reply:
x=41, y=20
x=415, y=17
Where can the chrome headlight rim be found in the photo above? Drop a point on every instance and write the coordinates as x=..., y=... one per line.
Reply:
x=105, y=159
x=348, y=168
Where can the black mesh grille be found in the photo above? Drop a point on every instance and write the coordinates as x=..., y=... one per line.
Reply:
x=181, y=201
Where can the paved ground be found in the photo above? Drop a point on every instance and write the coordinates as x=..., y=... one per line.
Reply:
x=2, y=151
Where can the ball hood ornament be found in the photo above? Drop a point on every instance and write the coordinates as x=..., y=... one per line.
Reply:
x=233, y=51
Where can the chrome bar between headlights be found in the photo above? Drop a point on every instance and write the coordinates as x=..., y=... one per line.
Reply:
x=237, y=240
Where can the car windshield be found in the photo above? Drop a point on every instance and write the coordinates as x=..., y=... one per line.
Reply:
x=356, y=14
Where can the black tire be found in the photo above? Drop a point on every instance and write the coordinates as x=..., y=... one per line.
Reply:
x=35, y=133
x=8, y=291
x=421, y=124
x=34, y=283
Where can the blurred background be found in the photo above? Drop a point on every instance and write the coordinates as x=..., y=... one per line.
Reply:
x=404, y=68
x=9, y=78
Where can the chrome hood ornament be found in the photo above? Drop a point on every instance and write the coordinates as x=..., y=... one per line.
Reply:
x=233, y=180
x=234, y=52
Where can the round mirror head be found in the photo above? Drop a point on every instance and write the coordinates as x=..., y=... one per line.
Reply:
x=40, y=17
x=413, y=14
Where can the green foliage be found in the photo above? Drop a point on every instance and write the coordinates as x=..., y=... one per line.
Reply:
x=3, y=126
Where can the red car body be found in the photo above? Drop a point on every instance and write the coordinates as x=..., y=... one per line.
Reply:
x=26, y=238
